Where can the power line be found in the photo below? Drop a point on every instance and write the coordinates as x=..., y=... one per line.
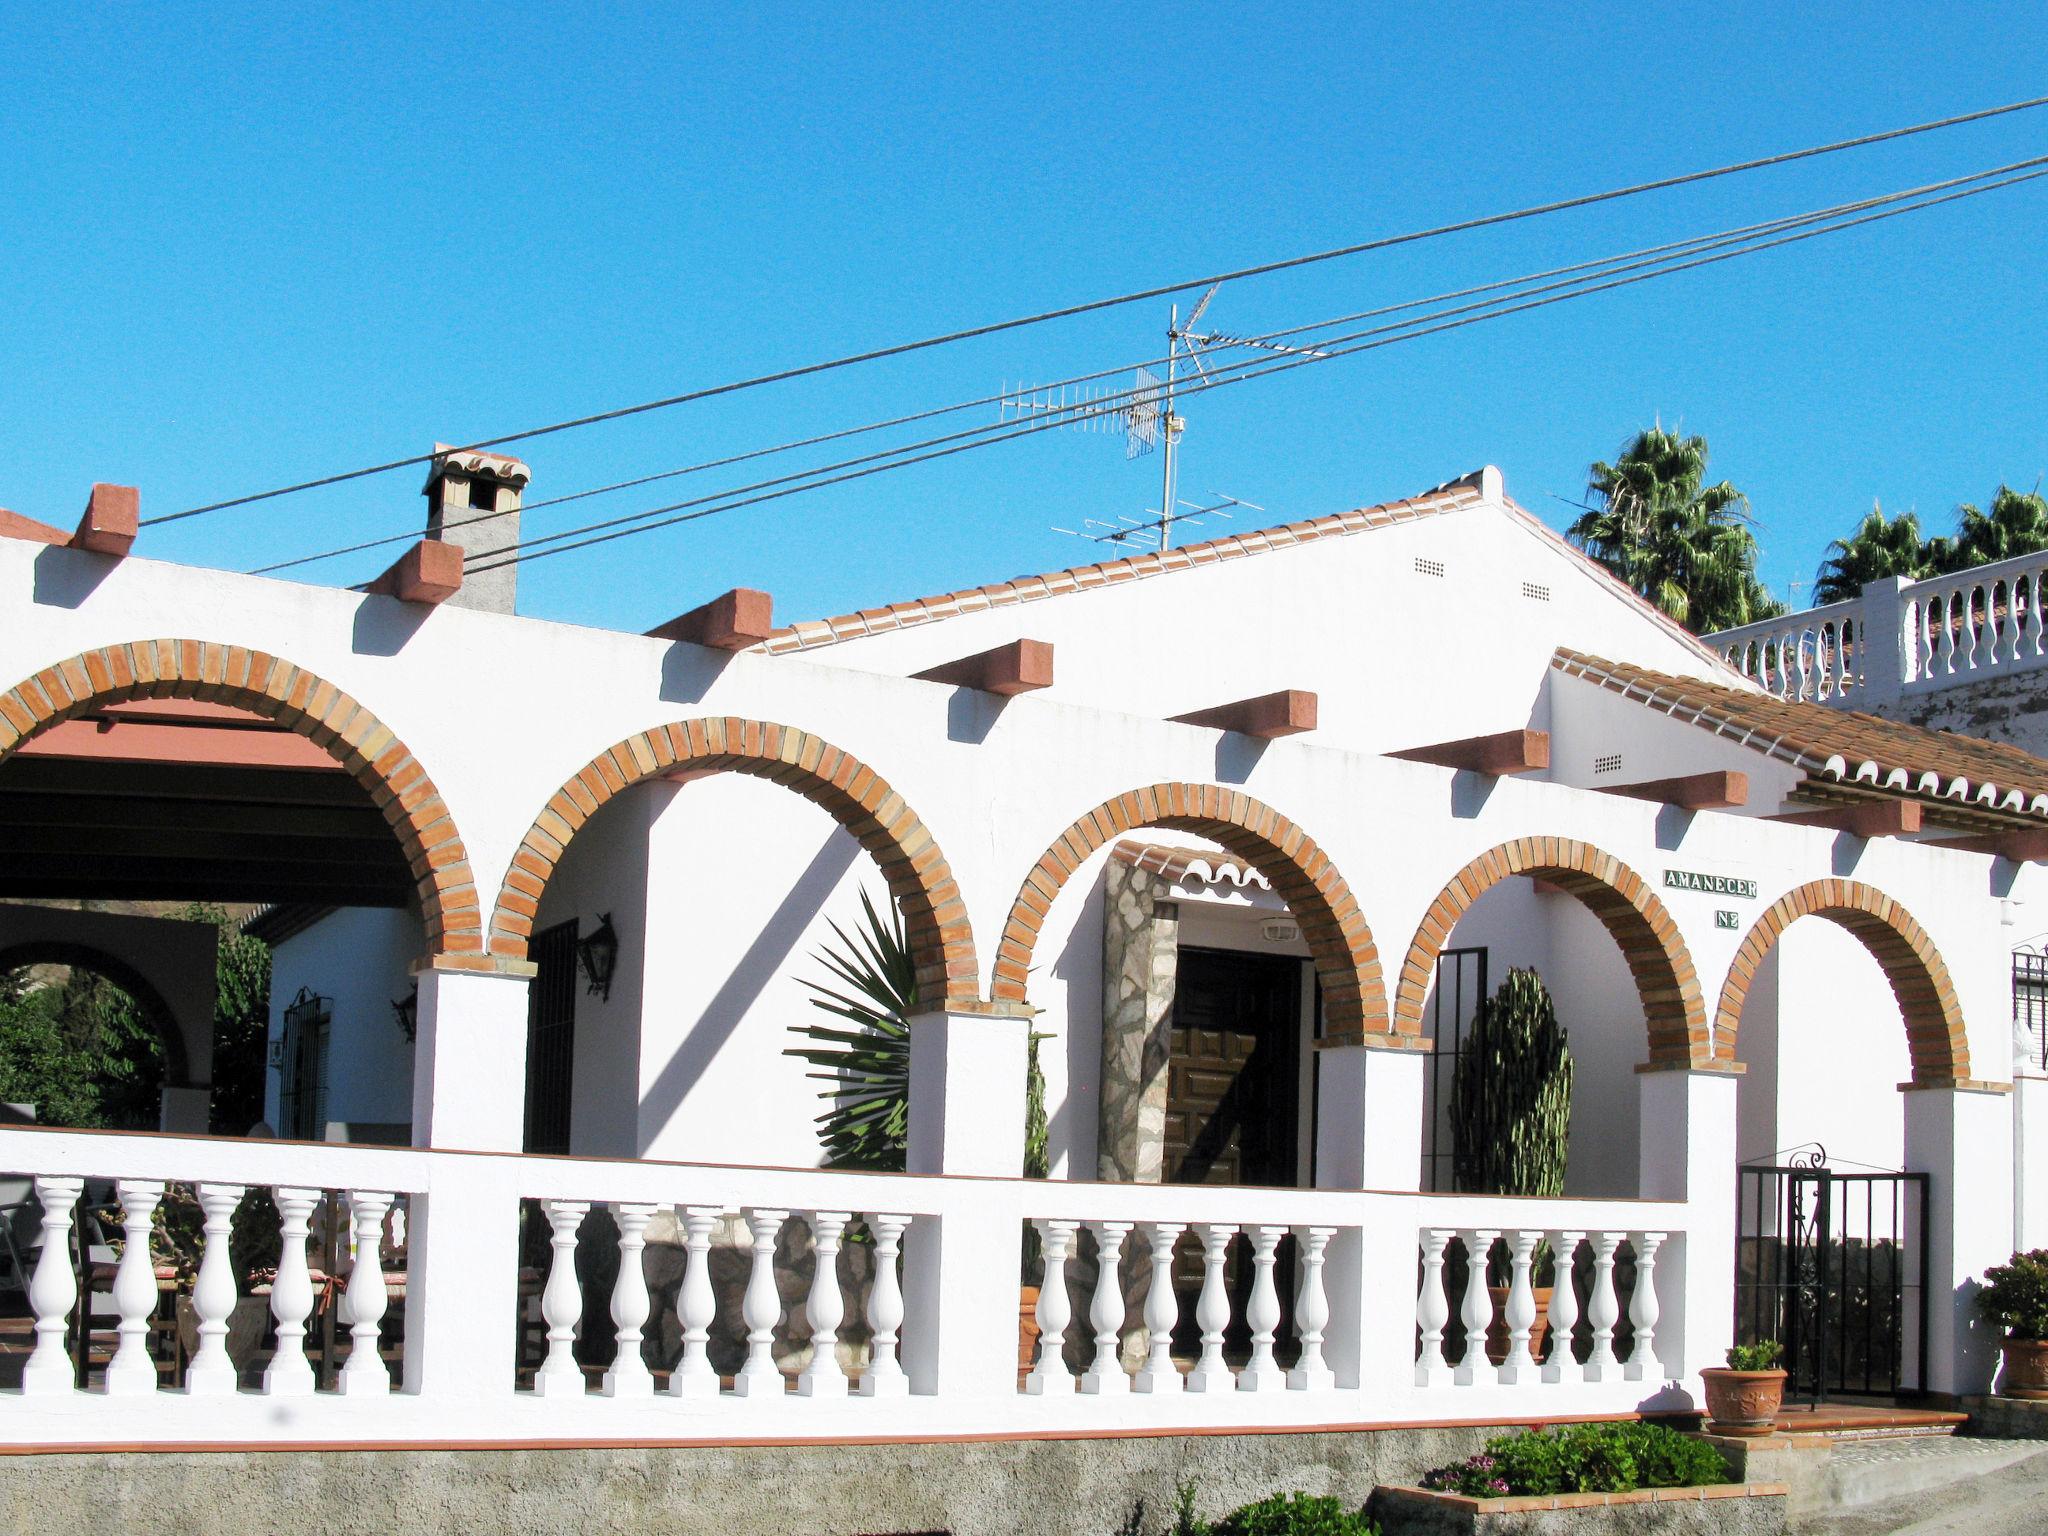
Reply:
x=517, y=554
x=1623, y=261
x=1160, y=290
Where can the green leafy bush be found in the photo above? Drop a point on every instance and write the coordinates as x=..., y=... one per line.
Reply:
x=2015, y=1295
x=1295, y=1514
x=1583, y=1458
x=1763, y=1356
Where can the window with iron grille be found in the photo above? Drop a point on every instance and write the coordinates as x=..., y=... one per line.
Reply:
x=2030, y=1006
x=1460, y=985
x=302, y=1095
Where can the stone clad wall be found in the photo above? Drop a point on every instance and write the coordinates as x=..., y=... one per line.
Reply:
x=1141, y=949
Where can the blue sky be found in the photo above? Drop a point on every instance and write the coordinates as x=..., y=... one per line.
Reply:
x=243, y=245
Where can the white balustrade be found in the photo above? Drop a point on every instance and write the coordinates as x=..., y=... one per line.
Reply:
x=696, y=1305
x=212, y=1371
x=1055, y=1311
x=1105, y=1374
x=561, y=1302
x=1433, y=1309
x=132, y=1370
x=1212, y=1310
x=53, y=1290
x=1603, y=1310
x=1474, y=1368
x=762, y=1308
x=1519, y=1367
x=290, y=1373
x=1262, y=1314
x=1312, y=1313
x=884, y=1376
x=824, y=1376
x=628, y=1375
x=1562, y=1366
x=364, y=1374
x=1643, y=1311
x=1162, y=1310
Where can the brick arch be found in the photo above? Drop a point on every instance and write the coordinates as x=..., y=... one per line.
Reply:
x=1918, y=975
x=1673, y=1007
x=858, y=798
x=309, y=705
x=1354, y=997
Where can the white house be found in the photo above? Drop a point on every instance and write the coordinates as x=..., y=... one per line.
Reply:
x=1242, y=829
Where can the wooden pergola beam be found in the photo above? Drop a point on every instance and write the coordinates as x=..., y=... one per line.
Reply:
x=1286, y=713
x=1717, y=790
x=2022, y=845
x=731, y=621
x=1868, y=818
x=112, y=518
x=1506, y=752
x=429, y=572
x=1019, y=667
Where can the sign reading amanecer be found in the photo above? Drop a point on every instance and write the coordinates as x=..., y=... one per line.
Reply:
x=1709, y=885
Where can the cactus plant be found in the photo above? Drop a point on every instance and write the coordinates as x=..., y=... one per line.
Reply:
x=1511, y=1094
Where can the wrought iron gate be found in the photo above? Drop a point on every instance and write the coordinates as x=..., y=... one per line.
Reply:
x=1830, y=1264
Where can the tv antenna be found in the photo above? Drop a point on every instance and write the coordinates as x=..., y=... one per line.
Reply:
x=1153, y=530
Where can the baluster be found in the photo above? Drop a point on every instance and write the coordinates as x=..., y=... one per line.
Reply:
x=1563, y=1365
x=561, y=1303
x=1474, y=1368
x=1212, y=1310
x=1803, y=649
x=1643, y=1311
x=628, y=1375
x=1105, y=1374
x=290, y=1373
x=1262, y=1315
x=696, y=1305
x=212, y=1372
x=53, y=1291
x=2006, y=617
x=884, y=1376
x=1603, y=1311
x=132, y=1370
x=1432, y=1309
x=1947, y=603
x=1312, y=1313
x=365, y=1373
x=1055, y=1311
x=2034, y=644
x=1162, y=1310
x=824, y=1376
x=761, y=1308
x=1519, y=1368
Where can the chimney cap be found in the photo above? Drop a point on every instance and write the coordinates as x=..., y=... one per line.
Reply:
x=500, y=467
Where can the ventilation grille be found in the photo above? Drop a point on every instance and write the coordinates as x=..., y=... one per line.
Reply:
x=1607, y=764
x=1532, y=589
x=1429, y=567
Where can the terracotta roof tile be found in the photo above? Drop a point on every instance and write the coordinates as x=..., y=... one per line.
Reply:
x=1837, y=744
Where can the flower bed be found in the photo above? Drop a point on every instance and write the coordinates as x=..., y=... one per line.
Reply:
x=1725, y=1509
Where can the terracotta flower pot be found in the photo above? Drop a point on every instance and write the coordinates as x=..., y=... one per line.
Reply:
x=2026, y=1370
x=1027, y=1325
x=1497, y=1330
x=1743, y=1402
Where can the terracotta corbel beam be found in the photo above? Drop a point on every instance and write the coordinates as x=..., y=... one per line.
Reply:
x=732, y=621
x=429, y=572
x=2022, y=845
x=1714, y=791
x=1868, y=818
x=1019, y=667
x=1286, y=713
x=1508, y=752
x=112, y=518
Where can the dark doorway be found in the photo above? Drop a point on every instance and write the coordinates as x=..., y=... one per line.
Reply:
x=551, y=1039
x=1233, y=1080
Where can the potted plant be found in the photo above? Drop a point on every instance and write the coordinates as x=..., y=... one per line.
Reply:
x=1511, y=1113
x=1743, y=1399
x=2015, y=1297
x=866, y=1071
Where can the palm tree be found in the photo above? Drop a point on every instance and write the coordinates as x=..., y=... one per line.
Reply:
x=1678, y=542
x=1878, y=547
x=2017, y=524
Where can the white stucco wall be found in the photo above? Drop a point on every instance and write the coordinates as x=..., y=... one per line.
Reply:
x=360, y=957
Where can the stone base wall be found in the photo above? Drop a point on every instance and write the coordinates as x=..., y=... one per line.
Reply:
x=2010, y=708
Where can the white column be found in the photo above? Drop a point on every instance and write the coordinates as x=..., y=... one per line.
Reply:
x=1474, y=1368
x=967, y=1094
x=132, y=1370
x=1432, y=1309
x=762, y=1307
x=561, y=1302
x=1369, y=1115
x=1643, y=1311
x=290, y=1373
x=884, y=1376
x=628, y=1375
x=824, y=1376
x=1050, y=1375
x=696, y=1305
x=1563, y=1365
x=211, y=1372
x=1212, y=1310
x=1603, y=1309
x=1162, y=1310
x=463, y=1310
x=469, y=1060
x=1887, y=657
x=365, y=1373
x=1312, y=1313
x=1262, y=1314
x=1105, y=1375
x=53, y=1290
x=1519, y=1368
x=1962, y=1137
x=1686, y=1152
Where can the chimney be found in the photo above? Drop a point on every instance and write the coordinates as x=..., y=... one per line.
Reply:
x=473, y=503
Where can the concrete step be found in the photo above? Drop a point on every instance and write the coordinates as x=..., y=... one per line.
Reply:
x=1870, y=1471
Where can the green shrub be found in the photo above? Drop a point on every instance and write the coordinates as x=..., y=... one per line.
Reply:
x=1763, y=1356
x=1295, y=1514
x=1583, y=1458
x=2015, y=1295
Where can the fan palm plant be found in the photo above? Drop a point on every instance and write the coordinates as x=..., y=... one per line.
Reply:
x=1878, y=547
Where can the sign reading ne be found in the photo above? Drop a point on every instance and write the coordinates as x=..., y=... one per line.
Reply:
x=1709, y=885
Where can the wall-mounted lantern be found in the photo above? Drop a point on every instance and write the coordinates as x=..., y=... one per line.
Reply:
x=599, y=954
x=405, y=1012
